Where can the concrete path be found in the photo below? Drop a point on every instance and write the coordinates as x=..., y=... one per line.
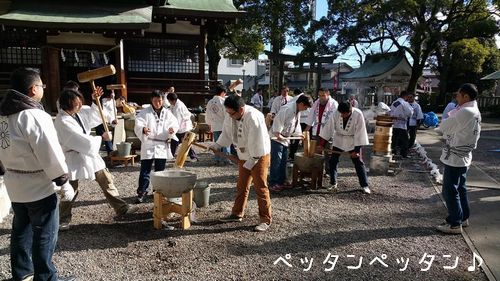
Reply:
x=483, y=234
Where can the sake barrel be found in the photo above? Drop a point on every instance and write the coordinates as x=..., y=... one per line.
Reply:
x=383, y=135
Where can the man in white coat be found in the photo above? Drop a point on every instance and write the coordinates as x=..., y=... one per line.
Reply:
x=183, y=115
x=401, y=111
x=415, y=120
x=247, y=130
x=215, y=115
x=286, y=124
x=73, y=124
x=155, y=126
x=347, y=128
x=281, y=100
x=461, y=133
x=33, y=161
x=257, y=100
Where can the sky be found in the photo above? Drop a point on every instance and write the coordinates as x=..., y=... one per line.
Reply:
x=350, y=56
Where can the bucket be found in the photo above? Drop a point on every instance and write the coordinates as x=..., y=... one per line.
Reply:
x=201, y=194
x=123, y=148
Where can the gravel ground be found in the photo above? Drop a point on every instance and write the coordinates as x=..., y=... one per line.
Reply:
x=394, y=224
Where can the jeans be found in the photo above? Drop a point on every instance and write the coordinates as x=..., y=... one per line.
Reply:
x=146, y=165
x=174, y=144
x=294, y=144
x=279, y=155
x=99, y=130
x=224, y=150
x=358, y=164
x=400, y=139
x=34, y=238
x=455, y=194
x=258, y=175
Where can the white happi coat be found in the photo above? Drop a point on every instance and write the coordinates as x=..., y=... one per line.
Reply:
x=278, y=102
x=461, y=132
x=249, y=134
x=183, y=115
x=417, y=114
x=108, y=108
x=313, y=119
x=257, y=100
x=402, y=111
x=154, y=146
x=28, y=143
x=215, y=113
x=80, y=148
x=287, y=123
x=354, y=134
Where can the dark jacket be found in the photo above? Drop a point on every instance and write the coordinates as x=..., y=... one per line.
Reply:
x=15, y=102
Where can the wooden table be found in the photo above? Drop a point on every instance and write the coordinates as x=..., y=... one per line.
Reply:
x=125, y=159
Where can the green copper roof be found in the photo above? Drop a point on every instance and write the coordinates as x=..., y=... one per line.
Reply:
x=202, y=5
x=493, y=76
x=78, y=13
x=376, y=65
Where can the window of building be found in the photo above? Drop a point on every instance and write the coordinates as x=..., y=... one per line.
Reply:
x=163, y=55
x=235, y=62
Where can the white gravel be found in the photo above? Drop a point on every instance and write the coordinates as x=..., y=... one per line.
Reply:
x=396, y=222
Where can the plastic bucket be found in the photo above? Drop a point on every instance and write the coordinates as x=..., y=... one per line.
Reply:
x=124, y=148
x=201, y=194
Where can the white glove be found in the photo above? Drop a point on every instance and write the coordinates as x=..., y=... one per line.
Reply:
x=107, y=136
x=250, y=163
x=67, y=192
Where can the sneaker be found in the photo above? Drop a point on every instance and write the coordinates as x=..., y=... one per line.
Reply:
x=465, y=223
x=261, y=227
x=448, y=229
x=64, y=226
x=231, y=218
x=139, y=199
x=366, y=190
x=332, y=188
x=193, y=159
x=276, y=188
x=130, y=210
x=287, y=185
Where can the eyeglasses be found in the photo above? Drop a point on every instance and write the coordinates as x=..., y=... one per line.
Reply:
x=43, y=86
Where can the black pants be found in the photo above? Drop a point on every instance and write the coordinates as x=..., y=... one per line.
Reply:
x=174, y=144
x=412, y=134
x=359, y=165
x=400, y=140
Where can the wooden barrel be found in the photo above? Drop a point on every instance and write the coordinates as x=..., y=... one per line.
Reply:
x=201, y=118
x=383, y=135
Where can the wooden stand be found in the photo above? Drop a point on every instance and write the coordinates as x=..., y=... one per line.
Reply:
x=162, y=208
x=124, y=160
x=316, y=176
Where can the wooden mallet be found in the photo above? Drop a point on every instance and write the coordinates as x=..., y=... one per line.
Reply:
x=114, y=87
x=94, y=74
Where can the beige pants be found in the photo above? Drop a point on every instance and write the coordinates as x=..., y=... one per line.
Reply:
x=258, y=175
x=105, y=181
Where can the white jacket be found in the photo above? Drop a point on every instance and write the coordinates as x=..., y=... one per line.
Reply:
x=155, y=146
x=28, y=142
x=461, y=132
x=354, y=134
x=80, y=148
x=183, y=116
x=287, y=123
x=313, y=119
x=278, y=102
x=249, y=134
x=402, y=111
x=215, y=113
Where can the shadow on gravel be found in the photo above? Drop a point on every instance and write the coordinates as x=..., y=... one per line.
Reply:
x=311, y=241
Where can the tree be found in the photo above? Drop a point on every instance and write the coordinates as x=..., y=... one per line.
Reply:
x=418, y=27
